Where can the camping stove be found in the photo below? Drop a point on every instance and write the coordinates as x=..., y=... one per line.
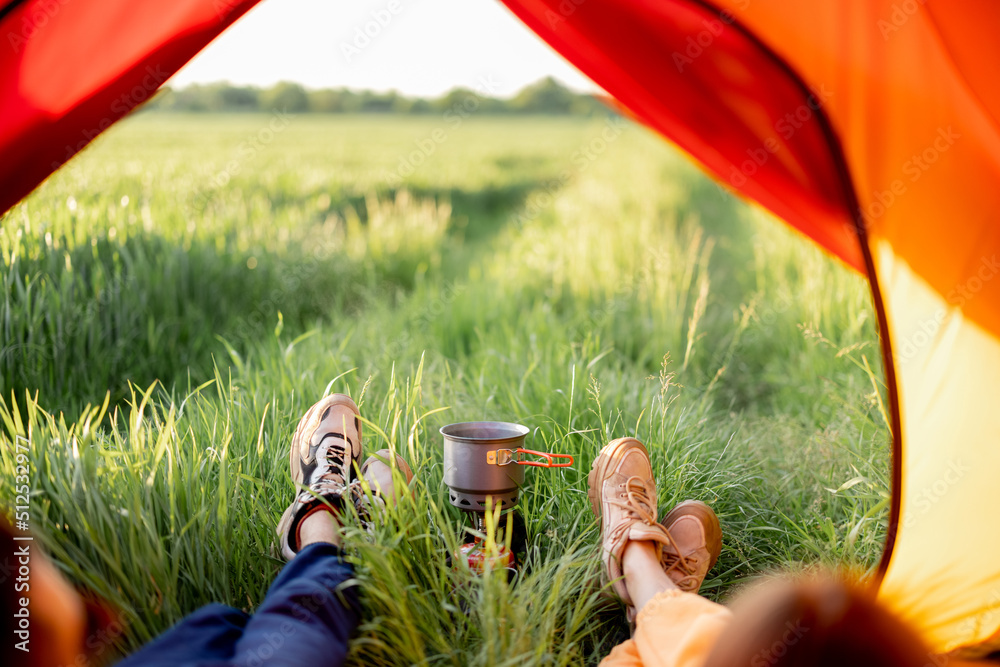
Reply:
x=484, y=471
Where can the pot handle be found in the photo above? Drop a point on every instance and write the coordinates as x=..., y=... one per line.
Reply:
x=502, y=457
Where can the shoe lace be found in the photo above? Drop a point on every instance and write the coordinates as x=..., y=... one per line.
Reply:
x=334, y=455
x=636, y=502
x=634, y=499
x=368, y=504
x=686, y=565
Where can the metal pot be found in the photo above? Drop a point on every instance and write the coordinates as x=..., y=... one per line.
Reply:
x=479, y=463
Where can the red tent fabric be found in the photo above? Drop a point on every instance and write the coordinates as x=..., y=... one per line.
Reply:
x=71, y=68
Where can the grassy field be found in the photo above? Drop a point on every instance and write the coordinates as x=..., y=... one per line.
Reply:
x=179, y=294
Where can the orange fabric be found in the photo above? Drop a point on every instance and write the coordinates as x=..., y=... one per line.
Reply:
x=915, y=106
x=674, y=629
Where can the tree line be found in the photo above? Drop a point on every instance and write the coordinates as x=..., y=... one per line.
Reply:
x=546, y=96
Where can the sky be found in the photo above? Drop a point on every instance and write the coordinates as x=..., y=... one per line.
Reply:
x=417, y=47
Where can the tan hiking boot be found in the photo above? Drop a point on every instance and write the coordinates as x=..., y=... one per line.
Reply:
x=696, y=542
x=623, y=496
x=325, y=448
x=376, y=489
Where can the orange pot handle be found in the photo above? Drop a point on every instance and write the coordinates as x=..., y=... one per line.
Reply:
x=548, y=463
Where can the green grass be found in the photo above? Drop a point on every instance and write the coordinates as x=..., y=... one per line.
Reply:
x=527, y=270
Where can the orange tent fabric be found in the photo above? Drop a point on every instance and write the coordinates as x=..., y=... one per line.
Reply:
x=871, y=126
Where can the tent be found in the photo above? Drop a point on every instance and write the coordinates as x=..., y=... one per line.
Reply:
x=869, y=125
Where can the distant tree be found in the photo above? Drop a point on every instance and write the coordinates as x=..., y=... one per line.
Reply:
x=326, y=100
x=372, y=102
x=191, y=98
x=546, y=96
x=233, y=98
x=590, y=105
x=402, y=104
x=420, y=105
x=492, y=105
x=458, y=99
x=285, y=96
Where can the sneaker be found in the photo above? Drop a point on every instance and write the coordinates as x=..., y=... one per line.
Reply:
x=376, y=491
x=623, y=496
x=325, y=448
x=696, y=542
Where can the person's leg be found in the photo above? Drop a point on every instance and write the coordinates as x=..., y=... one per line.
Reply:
x=644, y=575
x=309, y=613
x=324, y=451
x=678, y=629
x=311, y=610
x=695, y=541
x=644, y=579
x=324, y=448
x=655, y=569
x=673, y=627
x=623, y=496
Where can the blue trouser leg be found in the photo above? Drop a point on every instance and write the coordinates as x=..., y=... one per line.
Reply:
x=304, y=620
x=308, y=615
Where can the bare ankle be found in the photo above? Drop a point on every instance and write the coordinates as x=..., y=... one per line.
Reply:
x=638, y=557
x=319, y=526
x=644, y=575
